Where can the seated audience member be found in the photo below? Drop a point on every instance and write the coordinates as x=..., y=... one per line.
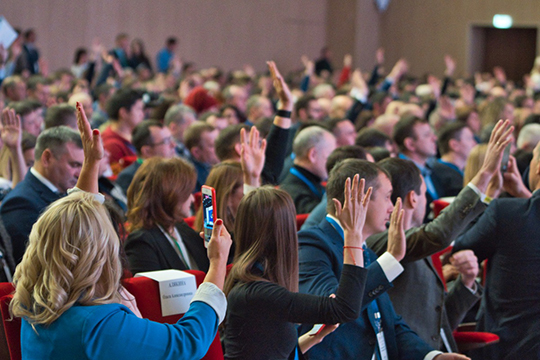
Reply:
x=61, y=115
x=228, y=143
x=507, y=235
x=455, y=142
x=200, y=139
x=150, y=138
x=417, y=142
x=14, y=88
x=343, y=130
x=159, y=199
x=178, y=118
x=28, y=146
x=201, y=101
x=102, y=94
x=385, y=123
x=339, y=106
x=38, y=89
x=437, y=311
x=237, y=96
x=214, y=119
x=311, y=148
x=75, y=238
x=262, y=287
x=369, y=138
x=85, y=100
x=339, y=154
x=126, y=110
x=232, y=114
x=31, y=114
x=58, y=160
x=321, y=253
x=474, y=162
x=528, y=137
x=257, y=108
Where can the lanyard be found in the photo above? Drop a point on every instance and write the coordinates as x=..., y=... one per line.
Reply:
x=175, y=242
x=373, y=308
x=306, y=181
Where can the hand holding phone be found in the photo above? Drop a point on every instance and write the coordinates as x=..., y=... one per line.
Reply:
x=209, y=211
x=506, y=157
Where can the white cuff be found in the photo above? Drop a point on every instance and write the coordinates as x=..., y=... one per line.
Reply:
x=430, y=355
x=98, y=197
x=248, y=188
x=356, y=94
x=483, y=197
x=211, y=295
x=391, y=267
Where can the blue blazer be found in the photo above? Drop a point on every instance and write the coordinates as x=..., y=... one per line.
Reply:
x=321, y=262
x=111, y=331
x=508, y=235
x=21, y=209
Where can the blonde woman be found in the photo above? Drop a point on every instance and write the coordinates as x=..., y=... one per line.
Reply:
x=67, y=285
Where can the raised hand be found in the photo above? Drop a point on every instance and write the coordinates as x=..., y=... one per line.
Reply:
x=358, y=83
x=352, y=214
x=11, y=132
x=281, y=87
x=220, y=242
x=512, y=181
x=450, y=65
x=499, y=139
x=309, y=66
x=379, y=56
x=252, y=156
x=91, y=139
x=347, y=60
x=397, y=244
x=467, y=264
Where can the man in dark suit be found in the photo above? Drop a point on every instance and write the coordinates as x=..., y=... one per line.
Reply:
x=436, y=313
x=379, y=330
x=58, y=161
x=150, y=138
x=508, y=235
x=311, y=147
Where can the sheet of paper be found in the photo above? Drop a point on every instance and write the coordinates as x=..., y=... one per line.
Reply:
x=7, y=33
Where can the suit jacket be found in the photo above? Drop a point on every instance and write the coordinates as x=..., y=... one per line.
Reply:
x=321, y=262
x=126, y=176
x=303, y=197
x=448, y=180
x=508, y=235
x=150, y=250
x=434, y=310
x=21, y=209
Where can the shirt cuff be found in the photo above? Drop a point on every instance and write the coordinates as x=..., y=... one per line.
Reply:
x=356, y=94
x=211, y=295
x=248, y=188
x=98, y=197
x=430, y=355
x=483, y=197
x=391, y=267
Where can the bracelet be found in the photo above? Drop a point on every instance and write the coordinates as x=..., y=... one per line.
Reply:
x=284, y=114
x=351, y=253
x=354, y=247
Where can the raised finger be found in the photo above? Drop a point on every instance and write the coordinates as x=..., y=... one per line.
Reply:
x=367, y=197
x=347, y=192
x=242, y=136
x=337, y=206
x=354, y=188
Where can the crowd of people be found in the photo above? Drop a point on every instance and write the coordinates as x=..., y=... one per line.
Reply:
x=101, y=163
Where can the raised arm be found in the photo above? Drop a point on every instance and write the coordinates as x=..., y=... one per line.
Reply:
x=93, y=153
x=285, y=97
x=252, y=156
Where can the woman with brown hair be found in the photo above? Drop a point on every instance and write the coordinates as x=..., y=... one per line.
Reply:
x=262, y=287
x=159, y=198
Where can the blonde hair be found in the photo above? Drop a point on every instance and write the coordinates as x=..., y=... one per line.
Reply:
x=72, y=257
x=474, y=162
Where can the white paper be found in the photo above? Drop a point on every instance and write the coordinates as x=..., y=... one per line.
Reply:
x=7, y=33
x=176, y=289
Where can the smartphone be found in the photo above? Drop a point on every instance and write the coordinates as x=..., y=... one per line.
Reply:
x=506, y=157
x=209, y=211
x=316, y=330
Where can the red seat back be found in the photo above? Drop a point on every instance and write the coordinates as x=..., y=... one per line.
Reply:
x=300, y=219
x=146, y=292
x=12, y=328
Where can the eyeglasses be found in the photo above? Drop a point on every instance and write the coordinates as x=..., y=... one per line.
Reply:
x=166, y=141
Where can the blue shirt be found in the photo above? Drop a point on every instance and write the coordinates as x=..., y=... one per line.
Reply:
x=112, y=331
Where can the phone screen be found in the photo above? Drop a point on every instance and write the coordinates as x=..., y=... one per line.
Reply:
x=208, y=211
